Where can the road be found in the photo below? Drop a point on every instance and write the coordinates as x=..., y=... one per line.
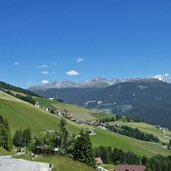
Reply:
x=10, y=164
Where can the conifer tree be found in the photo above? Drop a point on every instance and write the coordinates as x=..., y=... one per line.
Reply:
x=63, y=137
x=18, y=139
x=83, y=150
x=5, y=139
x=27, y=136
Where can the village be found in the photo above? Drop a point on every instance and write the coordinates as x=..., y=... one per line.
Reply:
x=99, y=162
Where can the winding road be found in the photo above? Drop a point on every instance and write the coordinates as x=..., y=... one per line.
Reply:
x=7, y=163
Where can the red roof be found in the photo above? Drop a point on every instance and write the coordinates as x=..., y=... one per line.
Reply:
x=98, y=160
x=130, y=168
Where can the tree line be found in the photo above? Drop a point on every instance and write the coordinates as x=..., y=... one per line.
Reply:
x=119, y=118
x=27, y=98
x=79, y=147
x=134, y=132
x=5, y=137
x=117, y=156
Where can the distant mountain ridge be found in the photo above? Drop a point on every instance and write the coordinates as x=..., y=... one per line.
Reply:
x=93, y=83
x=138, y=98
x=96, y=82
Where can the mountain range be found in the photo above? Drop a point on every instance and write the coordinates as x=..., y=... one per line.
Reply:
x=95, y=82
x=145, y=99
x=21, y=115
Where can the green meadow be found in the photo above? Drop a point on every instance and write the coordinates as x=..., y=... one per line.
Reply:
x=150, y=129
x=23, y=115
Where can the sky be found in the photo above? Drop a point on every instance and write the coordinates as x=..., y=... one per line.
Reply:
x=46, y=40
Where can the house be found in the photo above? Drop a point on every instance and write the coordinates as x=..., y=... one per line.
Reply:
x=90, y=132
x=102, y=127
x=57, y=112
x=98, y=164
x=52, y=99
x=98, y=161
x=130, y=168
x=37, y=104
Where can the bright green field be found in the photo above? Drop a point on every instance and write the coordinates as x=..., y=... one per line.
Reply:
x=21, y=115
x=108, y=138
x=6, y=96
x=150, y=129
x=76, y=111
x=102, y=115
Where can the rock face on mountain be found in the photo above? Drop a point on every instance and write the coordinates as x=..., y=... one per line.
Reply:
x=96, y=82
x=147, y=99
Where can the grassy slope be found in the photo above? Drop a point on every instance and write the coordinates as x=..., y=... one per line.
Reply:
x=77, y=112
x=3, y=151
x=6, y=96
x=146, y=128
x=21, y=115
x=102, y=115
x=108, y=138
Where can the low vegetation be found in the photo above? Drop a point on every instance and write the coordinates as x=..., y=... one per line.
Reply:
x=59, y=163
x=117, y=156
x=134, y=132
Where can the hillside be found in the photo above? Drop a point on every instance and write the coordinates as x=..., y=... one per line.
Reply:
x=21, y=115
x=147, y=99
x=164, y=136
x=5, y=86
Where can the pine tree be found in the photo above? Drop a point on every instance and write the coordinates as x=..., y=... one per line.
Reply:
x=18, y=139
x=63, y=137
x=27, y=136
x=83, y=150
x=5, y=140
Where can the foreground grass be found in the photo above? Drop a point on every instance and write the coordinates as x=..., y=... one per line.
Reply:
x=3, y=151
x=61, y=163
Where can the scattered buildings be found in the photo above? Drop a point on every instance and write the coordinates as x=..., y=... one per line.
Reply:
x=98, y=161
x=130, y=168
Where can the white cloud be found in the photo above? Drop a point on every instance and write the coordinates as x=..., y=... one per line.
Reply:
x=80, y=60
x=45, y=82
x=162, y=77
x=72, y=73
x=45, y=72
x=159, y=77
x=16, y=63
x=43, y=66
x=166, y=74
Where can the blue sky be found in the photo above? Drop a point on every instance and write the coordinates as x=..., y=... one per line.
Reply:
x=82, y=39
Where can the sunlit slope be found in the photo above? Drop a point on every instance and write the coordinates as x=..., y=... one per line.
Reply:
x=23, y=115
x=77, y=112
x=164, y=136
x=108, y=138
